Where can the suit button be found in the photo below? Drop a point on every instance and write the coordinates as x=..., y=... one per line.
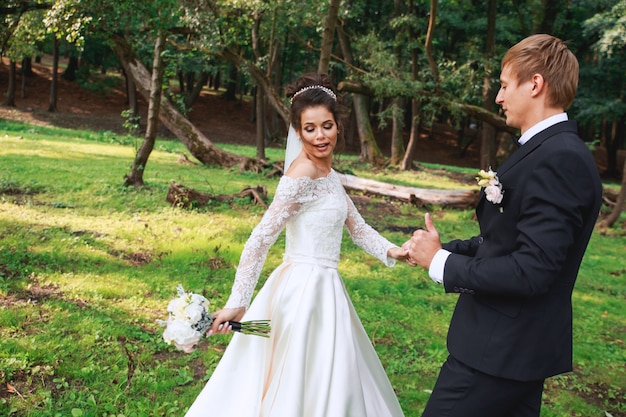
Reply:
x=481, y=240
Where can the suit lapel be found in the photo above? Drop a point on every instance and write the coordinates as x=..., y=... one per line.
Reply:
x=534, y=143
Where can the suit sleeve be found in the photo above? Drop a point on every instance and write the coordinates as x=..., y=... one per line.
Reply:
x=463, y=247
x=554, y=200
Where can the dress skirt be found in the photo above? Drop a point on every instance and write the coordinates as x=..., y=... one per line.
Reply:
x=317, y=362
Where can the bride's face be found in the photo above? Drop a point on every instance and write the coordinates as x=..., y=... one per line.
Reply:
x=318, y=132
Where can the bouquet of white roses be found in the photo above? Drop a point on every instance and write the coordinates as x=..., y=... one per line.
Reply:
x=189, y=319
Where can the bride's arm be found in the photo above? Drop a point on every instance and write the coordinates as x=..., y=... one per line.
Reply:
x=286, y=203
x=369, y=239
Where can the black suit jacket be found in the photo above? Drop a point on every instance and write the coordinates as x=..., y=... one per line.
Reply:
x=513, y=318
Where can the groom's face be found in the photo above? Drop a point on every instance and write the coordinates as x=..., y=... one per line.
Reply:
x=515, y=98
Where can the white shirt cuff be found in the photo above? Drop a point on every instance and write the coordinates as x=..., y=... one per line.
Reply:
x=437, y=265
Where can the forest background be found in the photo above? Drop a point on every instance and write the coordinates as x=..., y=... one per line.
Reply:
x=415, y=77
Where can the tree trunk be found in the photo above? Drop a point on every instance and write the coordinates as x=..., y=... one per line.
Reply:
x=370, y=151
x=413, y=195
x=328, y=36
x=10, y=100
x=521, y=16
x=195, y=141
x=194, y=92
x=70, y=72
x=613, y=140
x=52, y=105
x=369, y=148
x=141, y=159
x=544, y=17
x=397, y=115
x=488, y=133
x=274, y=74
x=409, y=155
x=190, y=78
x=259, y=98
x=397, y=137
x=619, y=204
x=231, y=86
x=133, y=103
x=27, y=67
x=259, y=94
x=23, y=85
x=429, y=43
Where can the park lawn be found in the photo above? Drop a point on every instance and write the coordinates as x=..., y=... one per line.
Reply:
x=87, y=266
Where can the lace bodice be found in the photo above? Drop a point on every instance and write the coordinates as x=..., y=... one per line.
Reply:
x=314, y=212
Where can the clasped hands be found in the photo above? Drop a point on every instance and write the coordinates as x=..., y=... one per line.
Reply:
x=423, y=245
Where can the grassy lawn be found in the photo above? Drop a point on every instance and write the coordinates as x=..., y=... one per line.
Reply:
x=87, y=266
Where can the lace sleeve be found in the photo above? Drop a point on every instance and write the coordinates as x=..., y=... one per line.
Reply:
x=290, y=194
x=366, y=237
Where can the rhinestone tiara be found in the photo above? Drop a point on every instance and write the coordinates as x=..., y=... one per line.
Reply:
x=311, y=87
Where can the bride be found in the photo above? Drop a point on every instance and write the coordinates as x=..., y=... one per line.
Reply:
x=318, y=360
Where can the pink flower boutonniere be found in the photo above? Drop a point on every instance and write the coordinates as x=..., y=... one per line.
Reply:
x=493, y=188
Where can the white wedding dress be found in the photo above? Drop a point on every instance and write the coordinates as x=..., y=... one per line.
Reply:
x=318, y=360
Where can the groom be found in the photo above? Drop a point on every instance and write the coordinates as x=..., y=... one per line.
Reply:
x=512, y=325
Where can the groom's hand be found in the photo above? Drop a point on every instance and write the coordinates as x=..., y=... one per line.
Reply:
x=424, y=244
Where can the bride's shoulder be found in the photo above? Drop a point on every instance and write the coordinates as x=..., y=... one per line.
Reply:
x=302, y=168
x=302, y=182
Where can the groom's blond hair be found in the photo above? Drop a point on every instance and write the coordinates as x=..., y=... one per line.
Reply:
x=550, y=57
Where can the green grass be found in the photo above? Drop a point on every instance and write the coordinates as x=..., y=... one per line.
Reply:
x=87, y=266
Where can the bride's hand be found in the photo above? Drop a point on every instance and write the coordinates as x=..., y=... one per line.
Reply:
x=399, y=254
x=222, y=317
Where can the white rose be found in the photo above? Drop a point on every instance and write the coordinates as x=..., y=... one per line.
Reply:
x=194, y=312
x=494, y=194
x=181, y=334
x=177, y=307
x=200, y=300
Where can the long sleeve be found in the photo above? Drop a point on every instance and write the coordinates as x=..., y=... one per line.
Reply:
x=287, y=203
x=366, y=237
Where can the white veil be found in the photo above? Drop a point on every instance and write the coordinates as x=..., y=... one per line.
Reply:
x=294, y=147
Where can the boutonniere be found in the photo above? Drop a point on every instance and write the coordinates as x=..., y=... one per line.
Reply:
x=493, y=188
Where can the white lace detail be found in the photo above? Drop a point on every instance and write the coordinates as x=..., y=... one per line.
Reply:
x=366, y=237
x=314, y=212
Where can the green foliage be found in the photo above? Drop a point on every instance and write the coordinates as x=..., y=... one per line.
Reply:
x=131, y=121
x=610, y=29
x=87, y=266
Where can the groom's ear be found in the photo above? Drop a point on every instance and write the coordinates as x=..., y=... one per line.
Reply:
x=538, y=85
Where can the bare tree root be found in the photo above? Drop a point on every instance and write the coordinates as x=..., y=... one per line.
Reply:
x=181, y=196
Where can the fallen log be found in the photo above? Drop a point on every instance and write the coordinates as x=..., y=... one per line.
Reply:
x=181, y=196
x=412, y=195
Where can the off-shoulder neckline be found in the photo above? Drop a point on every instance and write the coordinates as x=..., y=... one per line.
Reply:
x=311, y=179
